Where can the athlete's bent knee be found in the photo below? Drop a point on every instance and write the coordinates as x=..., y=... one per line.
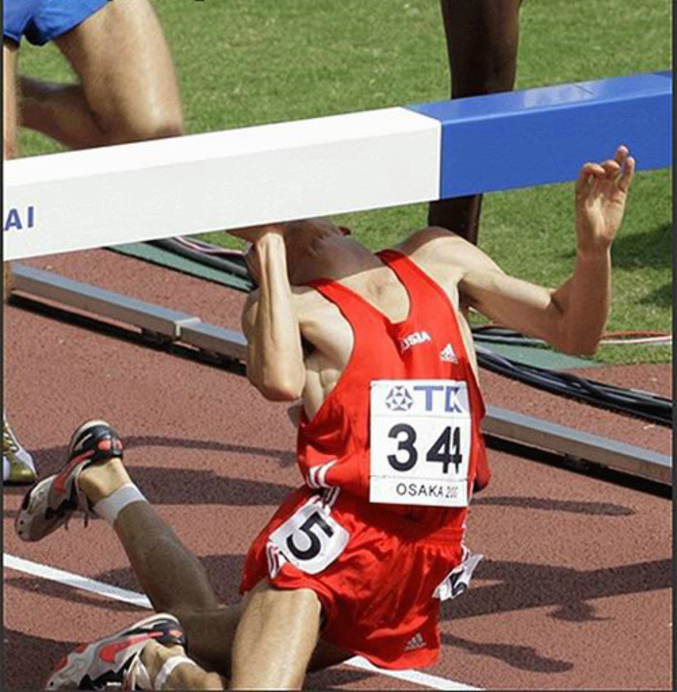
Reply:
x=149, y=126
x=141, y=133
x=300, y=598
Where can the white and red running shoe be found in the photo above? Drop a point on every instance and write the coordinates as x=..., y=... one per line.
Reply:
x=105, y=664
x=52, y=502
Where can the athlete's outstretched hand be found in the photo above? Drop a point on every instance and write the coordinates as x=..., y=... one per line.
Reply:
x=601, y=193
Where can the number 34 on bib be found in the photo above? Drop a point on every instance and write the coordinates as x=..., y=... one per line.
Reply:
x=420, y=442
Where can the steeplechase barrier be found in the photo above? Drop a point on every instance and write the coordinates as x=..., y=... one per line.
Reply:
x=322, y=166
x=343, y=163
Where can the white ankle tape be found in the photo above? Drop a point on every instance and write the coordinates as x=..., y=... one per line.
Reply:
x=110, y=508
x=168, y=668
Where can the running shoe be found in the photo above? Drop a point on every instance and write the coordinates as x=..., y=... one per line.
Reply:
x=105, y=664
x=52, y=502
x=17, y=464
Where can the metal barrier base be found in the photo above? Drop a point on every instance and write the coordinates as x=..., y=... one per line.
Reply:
x=186, y=329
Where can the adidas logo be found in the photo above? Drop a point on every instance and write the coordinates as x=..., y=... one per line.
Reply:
x=448, y=355
x=416, y=642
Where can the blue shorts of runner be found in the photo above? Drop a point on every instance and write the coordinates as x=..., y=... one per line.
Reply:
x=41, y=21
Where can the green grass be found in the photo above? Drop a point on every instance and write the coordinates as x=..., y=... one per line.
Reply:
x=242, y=63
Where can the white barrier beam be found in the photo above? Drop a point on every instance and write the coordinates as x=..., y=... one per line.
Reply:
x=322, y=166
x=148, y=190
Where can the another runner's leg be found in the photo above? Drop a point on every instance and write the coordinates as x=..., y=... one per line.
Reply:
x=10, y=139
x=482, y=40
x=127, y=88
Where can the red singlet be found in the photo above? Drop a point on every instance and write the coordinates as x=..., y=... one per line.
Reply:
x=378, y=582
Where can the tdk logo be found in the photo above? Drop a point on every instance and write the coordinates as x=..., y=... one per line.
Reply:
x=19, y=219
x=414, y=340
x=441, y=397
x=438, y=398
x=399, y=399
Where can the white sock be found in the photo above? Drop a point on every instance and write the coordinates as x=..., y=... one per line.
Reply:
x=110, y=507
x=137, y=677
x=168, y=668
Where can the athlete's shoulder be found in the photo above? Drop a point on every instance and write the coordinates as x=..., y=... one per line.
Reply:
x=427, y=235
x=433, y=244
x=303, y=299
x=434, y=247
x=441, y=254
x=307, y=298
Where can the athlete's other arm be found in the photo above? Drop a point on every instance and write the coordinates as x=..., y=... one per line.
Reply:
x=275, y=364
x=571, y=318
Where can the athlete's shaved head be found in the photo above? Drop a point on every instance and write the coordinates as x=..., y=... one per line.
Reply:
x=306, y=243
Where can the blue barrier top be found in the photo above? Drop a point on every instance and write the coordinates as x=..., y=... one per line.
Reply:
x=548, y=133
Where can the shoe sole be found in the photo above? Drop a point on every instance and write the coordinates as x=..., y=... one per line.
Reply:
x=79, y=661
x=26, y=505
x=30, y=495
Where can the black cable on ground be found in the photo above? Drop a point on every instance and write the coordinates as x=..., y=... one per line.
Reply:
x=232, y=265
x=644, y=405
x=493, y=334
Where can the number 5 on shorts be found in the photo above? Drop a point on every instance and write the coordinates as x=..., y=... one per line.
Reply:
x=310, y=539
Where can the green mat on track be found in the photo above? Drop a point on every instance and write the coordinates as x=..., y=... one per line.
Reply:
x=170, y=260
x=539, y=357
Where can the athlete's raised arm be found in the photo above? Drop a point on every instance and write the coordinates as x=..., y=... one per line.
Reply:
x=275, y=363
x=571, y=318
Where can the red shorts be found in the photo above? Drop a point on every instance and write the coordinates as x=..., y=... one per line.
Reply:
x=375, y=573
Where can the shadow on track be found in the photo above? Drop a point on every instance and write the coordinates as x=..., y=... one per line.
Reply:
x=175, y=486
x=522, y=657
x=51, y=460
x=607, y=509
x=524, y=586
x=32, y=660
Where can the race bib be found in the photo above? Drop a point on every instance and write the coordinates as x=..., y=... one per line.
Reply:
x=310, y=539
x=420, y=442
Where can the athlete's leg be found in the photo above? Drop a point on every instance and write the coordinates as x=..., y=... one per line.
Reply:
x=128, y=89
x=10, y=139
x=183, y=676
x=275, y=640
x=172, y=577
x=277, y=635
x=176, y=582
x=482, y=41
x=17, y=464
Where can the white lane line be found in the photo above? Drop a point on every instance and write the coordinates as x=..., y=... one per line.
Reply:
x=423, y=679
x=133, y=598
x=76, y=581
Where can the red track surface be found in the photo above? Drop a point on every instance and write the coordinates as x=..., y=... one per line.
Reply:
x=574, y=592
